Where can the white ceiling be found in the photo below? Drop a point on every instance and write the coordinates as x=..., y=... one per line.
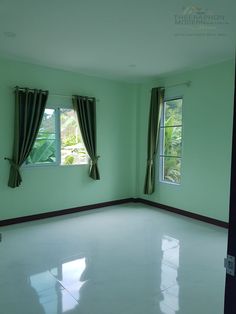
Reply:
x=118, y=39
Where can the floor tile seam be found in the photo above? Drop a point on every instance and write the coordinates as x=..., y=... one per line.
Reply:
x=65, y=289
x=171, y=286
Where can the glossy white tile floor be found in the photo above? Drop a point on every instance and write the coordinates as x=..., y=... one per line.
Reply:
x=129, y=259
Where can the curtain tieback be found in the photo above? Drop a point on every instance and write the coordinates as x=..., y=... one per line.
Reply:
x=12, y=163
x=95, y=160
x=150, y=162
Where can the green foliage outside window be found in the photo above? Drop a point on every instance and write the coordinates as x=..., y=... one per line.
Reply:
x=46, y=150
x=172, y=141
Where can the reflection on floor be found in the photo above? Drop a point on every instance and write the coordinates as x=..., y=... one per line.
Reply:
x=127, y=259
x=169, y=272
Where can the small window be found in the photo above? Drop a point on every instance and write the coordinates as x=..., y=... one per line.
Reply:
x=59, y=140
x=171, y=141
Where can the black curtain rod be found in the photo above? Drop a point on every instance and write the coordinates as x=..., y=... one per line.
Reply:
x=187, y=83
x=60, y=95
x=88, y=97
x=29, y=89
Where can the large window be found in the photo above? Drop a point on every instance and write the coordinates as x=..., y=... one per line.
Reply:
x=59, y=141
x=171, y=141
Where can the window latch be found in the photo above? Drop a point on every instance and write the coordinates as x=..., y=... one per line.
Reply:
x=229, y=264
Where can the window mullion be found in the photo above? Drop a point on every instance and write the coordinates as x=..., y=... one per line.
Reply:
x=171, y=126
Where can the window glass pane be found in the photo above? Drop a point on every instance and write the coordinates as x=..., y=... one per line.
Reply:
x=72, y=148
x=172, y=141
x=44, y=149
x=173, y=112
x=171, y=167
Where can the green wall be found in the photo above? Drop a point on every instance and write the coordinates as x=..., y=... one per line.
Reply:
x=122, y=117
x=53, y=188
x=207, y=134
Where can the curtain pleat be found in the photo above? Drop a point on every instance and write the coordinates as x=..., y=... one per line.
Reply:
x=29, y=110
x=156, y=106
x=86, y=112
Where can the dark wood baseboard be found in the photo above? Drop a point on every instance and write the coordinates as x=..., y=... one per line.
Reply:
x=17, y=220
x=209, y=220
x=51, y=214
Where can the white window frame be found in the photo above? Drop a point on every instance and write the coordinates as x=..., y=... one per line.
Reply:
x=161, y=143
x=60, y=105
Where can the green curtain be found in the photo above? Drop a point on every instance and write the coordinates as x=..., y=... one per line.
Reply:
x=85, y=108
x=29, y=109
x=156, y=105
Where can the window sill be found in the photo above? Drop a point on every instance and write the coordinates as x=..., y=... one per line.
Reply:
x=171, y=183
x=51, y=165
